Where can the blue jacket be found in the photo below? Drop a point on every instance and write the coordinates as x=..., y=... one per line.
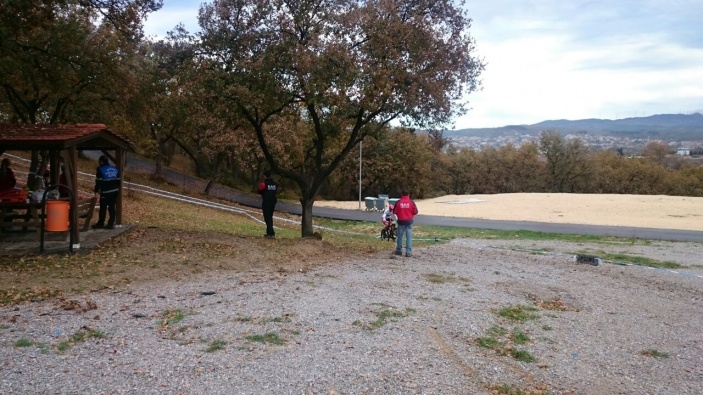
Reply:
x=107, y=180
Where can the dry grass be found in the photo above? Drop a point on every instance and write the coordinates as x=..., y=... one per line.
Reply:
x=173, y=240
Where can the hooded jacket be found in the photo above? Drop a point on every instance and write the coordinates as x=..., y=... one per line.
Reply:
x=405, y=209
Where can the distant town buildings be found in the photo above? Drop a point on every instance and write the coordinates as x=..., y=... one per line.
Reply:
x=629, y=146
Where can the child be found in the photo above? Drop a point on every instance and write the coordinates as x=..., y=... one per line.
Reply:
x=388, y=217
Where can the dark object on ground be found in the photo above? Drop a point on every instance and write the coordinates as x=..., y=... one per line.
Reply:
x=589, y=259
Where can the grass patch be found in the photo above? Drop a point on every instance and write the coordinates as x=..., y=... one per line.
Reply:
x=518, y=313
x=448, y=233
x=654, y=353
x=364, y=235
x=384, y=316
x=79, y=337
x=503, y=342
x=497, y=331
x=489, y=342
x=520, y=337
x=522, y=355
x=172, y=317
x=638, y=260
x=442, y=278
x=266, y=338
x=216, y=345
x=23, y=342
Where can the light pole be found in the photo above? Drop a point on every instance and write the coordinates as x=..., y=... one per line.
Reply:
x=360, y=144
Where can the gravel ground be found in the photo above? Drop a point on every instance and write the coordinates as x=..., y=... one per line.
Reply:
x=380, y=325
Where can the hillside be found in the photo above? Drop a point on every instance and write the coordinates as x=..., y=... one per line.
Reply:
x=673, y=126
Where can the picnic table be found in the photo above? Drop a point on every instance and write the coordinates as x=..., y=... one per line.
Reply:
x=27, y=212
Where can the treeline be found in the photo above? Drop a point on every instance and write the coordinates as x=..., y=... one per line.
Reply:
x=429, y=166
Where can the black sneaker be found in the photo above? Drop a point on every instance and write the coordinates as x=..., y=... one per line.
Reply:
x=398, y=253
x=110, y=227
x=408, y=255
x=98, y=226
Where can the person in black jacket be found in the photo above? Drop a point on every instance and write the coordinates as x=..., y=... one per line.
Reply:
x=107, y=185
x=267, y=190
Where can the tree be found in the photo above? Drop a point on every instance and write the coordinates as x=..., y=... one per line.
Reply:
x=313, y=78
x=60, y=58
x=656, y=151
x=568, y=168
x=459, y=163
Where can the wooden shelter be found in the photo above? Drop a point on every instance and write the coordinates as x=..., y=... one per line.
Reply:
x=63, y=142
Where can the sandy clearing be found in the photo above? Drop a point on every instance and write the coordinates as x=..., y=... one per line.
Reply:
x=643, y=211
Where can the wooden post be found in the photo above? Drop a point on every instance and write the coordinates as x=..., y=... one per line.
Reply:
x=120, y=164
x=72, y=180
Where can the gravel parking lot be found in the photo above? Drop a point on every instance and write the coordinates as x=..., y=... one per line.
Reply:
x=467, y=317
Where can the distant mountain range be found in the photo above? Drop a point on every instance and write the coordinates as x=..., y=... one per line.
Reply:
x=662, y=126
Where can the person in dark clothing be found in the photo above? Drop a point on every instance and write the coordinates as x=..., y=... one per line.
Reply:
x=7, y=176
x=63, y=180
x=267, y=190
x=107, y=185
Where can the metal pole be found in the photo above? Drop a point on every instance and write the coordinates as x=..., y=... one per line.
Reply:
x=360, y=144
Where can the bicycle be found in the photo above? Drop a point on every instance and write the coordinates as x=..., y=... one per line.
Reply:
x=389, y=232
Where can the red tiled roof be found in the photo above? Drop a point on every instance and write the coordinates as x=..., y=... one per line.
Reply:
x=85, y=136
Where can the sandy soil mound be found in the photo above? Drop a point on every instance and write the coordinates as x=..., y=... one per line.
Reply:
x=655, y=211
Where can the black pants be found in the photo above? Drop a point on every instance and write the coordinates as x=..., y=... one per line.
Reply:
x=107, y=205
x=268, y=218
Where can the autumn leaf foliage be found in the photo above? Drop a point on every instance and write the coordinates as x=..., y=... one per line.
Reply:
x=312, y=78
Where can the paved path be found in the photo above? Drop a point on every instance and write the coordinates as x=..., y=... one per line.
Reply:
x=253, y=200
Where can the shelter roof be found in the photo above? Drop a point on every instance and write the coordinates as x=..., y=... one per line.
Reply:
x=83, y=136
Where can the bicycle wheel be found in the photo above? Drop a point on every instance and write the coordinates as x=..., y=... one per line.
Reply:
x=384, y=234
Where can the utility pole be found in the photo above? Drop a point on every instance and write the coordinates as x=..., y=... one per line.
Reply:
x=360, y=144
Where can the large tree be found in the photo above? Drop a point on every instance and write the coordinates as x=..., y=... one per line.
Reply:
x=313, y=78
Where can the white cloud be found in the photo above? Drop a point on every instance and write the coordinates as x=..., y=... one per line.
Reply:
x=172, y=13
x=586, y=59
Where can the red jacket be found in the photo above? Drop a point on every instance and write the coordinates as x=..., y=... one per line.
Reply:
x=405, y=209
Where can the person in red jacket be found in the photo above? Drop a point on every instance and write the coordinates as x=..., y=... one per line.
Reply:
x=405, y=209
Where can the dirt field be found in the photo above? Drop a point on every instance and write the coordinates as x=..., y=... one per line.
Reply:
x=658, y=211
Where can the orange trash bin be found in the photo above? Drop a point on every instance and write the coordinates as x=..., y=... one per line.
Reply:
x=57, y=215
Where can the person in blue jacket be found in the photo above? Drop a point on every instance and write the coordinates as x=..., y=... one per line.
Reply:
x=107, y=185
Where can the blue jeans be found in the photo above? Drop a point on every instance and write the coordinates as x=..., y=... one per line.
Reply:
x=406, y=230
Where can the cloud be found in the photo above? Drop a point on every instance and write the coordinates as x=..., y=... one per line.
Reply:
x=556, y=59
x=585, y=59
x=172, y=14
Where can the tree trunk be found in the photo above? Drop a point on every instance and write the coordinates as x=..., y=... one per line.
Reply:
x=208, y=187
x=306, y=224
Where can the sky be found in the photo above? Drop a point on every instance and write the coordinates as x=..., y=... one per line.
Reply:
x=557, y=59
